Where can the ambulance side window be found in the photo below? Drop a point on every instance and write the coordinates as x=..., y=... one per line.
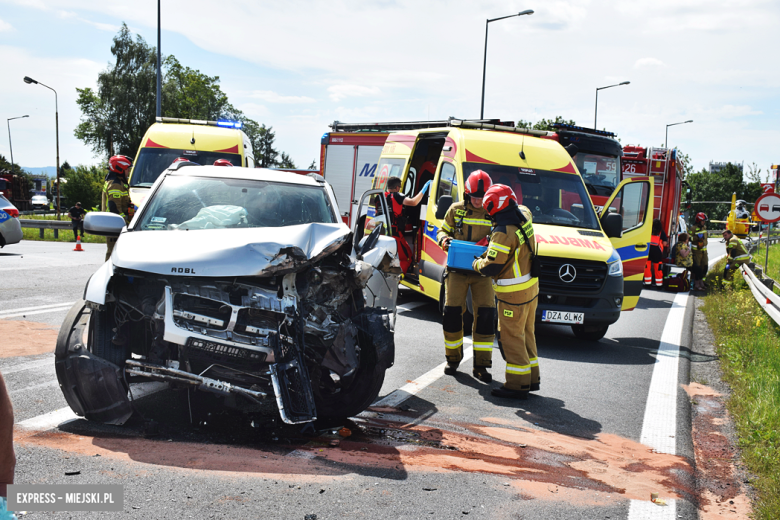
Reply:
x=448, y=183
x=632, y=204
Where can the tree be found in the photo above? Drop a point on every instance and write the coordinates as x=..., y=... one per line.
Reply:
x=754, y=173
x=115, y=117
x=262, y=140
x=190, y=94
x=545, y=124
x=285, y=161
x=719, y=187
x=313, y=165
x=85, y=185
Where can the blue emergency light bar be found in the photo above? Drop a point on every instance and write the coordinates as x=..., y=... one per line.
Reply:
x=230, y=124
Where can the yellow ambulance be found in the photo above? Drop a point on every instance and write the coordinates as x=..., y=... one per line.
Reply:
x=199, y=141
x=592, y=262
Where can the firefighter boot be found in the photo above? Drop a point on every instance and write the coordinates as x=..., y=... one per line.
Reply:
x=451, y=369
x=482, y=374
x=508, y=393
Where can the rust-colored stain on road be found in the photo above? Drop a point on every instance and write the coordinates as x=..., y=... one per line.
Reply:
x=537, y=464
x=26, y=338
x=720, y=491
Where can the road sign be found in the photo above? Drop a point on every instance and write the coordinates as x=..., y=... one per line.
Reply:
x=768, y=207
x=768, y=187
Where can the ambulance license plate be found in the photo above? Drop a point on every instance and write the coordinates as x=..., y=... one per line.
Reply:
x=576, y=318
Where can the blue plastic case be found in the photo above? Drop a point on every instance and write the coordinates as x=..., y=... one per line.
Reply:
x=461, y=255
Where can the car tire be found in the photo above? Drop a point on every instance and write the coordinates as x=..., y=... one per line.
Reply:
x=101, y=331
x=589, y=333
x=350, y=401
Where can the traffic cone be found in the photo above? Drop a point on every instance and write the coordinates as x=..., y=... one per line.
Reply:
x=78, y=244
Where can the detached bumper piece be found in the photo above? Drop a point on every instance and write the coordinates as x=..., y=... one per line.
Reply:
x=94, y=388
x=206, y=384
x=292, y=385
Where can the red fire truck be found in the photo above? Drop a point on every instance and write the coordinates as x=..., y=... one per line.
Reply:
x=15, y=188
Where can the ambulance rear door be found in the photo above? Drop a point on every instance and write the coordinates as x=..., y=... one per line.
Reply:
x=631, y=200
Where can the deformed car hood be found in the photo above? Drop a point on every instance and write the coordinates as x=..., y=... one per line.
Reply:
x=228, y=252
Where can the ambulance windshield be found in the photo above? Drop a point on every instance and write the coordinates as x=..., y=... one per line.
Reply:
x=554, y=198
x=600, y=171
x=153, y=161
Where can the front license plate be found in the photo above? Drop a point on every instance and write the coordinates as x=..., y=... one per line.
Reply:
x=576, y=318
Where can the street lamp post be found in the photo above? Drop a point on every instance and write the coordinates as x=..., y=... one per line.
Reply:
x=666, y=138
x=484, y=62
x=29, y=80
x=596, y=112
x=9, y=137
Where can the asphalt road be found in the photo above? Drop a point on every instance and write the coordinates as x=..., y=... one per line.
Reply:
x=442, y=447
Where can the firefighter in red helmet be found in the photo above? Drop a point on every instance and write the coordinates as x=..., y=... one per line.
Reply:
x=222, y=162
x=468, y=221
x=116, y=197
x=509, y=260
x=699, y=250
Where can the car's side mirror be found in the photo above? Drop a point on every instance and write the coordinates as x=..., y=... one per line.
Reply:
x=445, y=201
x=612, y=223
x=103, y=223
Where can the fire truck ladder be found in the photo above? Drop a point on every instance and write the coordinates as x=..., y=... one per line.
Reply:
x=658, y=164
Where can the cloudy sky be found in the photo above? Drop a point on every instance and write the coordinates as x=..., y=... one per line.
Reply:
x=298, y=65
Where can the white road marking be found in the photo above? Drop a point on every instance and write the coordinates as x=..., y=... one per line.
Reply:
x=714, y=261
x=659, y=426
x=411, y=306
x=65, y=415
x=39, y=307
x=27, y=366
x=22, y=314
x=400, y=395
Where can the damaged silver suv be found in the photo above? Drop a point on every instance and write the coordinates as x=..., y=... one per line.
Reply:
x=239, y=282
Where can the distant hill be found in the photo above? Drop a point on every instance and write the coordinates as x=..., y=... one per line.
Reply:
x=49, y=171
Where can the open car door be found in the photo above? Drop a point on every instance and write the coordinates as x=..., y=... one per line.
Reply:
x=374, y=244
x=632, y=199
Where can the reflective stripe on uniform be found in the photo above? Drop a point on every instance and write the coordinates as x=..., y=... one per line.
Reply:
x=446, y=227
x=483, y=345
x=453, y=345
x=518, y=369
x=516, y=287
x=534, y=362
x=513, y=281
x=499, y=248
x=741, y=257
x=477, y=222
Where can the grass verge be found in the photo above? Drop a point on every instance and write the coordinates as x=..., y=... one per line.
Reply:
x=748, y=344
x=65, y=235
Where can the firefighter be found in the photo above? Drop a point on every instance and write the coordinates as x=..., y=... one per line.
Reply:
x=736, y=255
x=654, y=266
x=508, y=261
x=468, y=221
x=116, y=197
x=699, y=250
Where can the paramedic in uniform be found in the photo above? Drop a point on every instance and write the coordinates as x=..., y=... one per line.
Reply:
x=508, y=261
x=116, y=197
x=396, y=202
x=469, y=222
x=736, y=255
x=699, y=250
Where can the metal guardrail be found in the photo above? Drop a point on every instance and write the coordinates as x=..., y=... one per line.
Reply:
x=765, y=296
x=41, y=225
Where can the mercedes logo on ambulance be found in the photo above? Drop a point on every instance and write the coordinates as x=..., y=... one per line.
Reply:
x=567, y=273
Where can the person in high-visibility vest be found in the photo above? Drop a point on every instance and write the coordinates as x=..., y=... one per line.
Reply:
x=654, y=267
x=736, y=255
x=468, y=221
x=116, y=197
x=508, y=261
x=699, y=250
x=396, y=202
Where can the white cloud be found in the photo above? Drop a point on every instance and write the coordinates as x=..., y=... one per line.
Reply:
x=273, y=97
x=102, y=26
x=339, y=92
x=648, y=62
x=5, y=26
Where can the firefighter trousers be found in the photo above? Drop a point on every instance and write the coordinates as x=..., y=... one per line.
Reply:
x=483, y=302
x=517, y=340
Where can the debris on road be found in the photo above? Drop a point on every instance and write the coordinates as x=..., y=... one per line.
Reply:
x=345, y=432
